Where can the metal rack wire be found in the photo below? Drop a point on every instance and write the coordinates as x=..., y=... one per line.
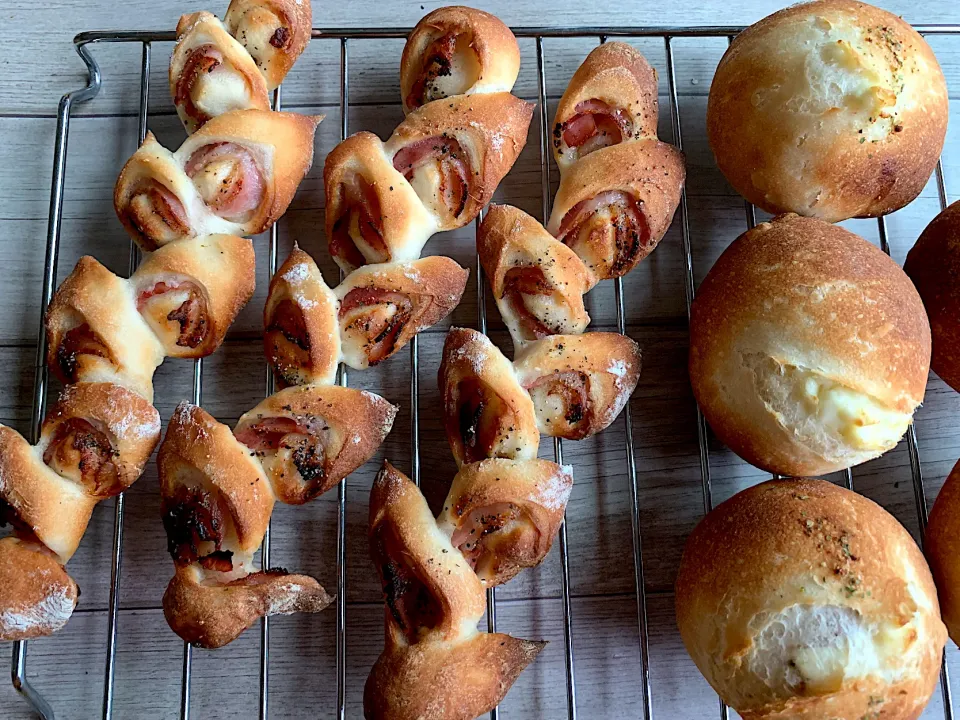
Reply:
x=83, y=43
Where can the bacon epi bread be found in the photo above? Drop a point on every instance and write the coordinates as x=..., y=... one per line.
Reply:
x=218, y=66
x=462, y=134
x=435, y=664
x=105, y=338
x=237, y=174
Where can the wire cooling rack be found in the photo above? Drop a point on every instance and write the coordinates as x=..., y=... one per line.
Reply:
x=83, y=43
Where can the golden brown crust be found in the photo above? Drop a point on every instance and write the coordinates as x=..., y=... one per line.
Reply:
x=87, y=414
x=155, y=200
x=617, y=75
x=274, y=32
x=382, y=307
x=309, y=438
x=37, y=597
x=788, y=549
x=943, y=550
x=446, y=681
x=538, y=282
x=934, y=266
x=798, y=297
x=789, y=141
x=281, y=142
x=579, y=383
x=223, y=270
x=486, y=412
x=301, y=334
x=648, y=172
x=211, y=73
x=111, y=342
x=212, y=614
x=503, y=515
x=430, y=588
x=199, y=453
x=457, y=50
x=489, y=130
x=36, y=501
x=373, y=214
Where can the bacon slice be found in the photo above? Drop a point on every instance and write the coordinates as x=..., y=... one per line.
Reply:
x=157, y=214
x=81, y=340
x=451, y=164
x=204, y=59
x=382, y=316
x=482, y=414
x=521, y=281
x=613, y=213
x=305, y=439
x=229, y=180
x=193, y=520
x=595, y=125
x=572, y=388
x=191, y=314
x=359, y=202
x=485, y=529
x=287, y=340
x=437, y=62
x=79, y=449
x=413, y=607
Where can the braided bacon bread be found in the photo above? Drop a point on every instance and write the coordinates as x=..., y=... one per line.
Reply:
x=93, y=445
x=215, y=68
x=366, y=319
x=435, y=663
x=237, y=174
x=462, y=134
x=219, y=487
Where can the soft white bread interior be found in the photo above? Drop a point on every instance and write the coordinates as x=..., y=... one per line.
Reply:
x=833, y=109
x=809, y=348
x=800, y=599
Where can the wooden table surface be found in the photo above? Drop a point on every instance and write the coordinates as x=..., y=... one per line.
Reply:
x=40, y=64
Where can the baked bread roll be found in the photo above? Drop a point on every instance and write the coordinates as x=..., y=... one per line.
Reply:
x=211, y=73
x=180, y=302
x=833, y=109
x=934, y=266
x=613, y=207
x=943, y=550
x=216, y=502
x=301, y=334
x=96, y=334
x=611, y=98
x=457, y=51
x=383, y=306
x=237, y=175
x=503, y=515
x=274, y=32
x=435, y=664
x=538, y=283
x=579, y=384
x=809, y=348
x=455, y=153
x=800, y=599
x=309, y=438
x=191, y=290
x=373, y=214
x=93, y=445
x=486, y=411
x=36, y=594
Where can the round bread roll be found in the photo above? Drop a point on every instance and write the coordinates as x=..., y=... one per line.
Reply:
x=934, y=266
x=809, y=348
x=800, y=599
x=833, y=109
x=943, y=550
